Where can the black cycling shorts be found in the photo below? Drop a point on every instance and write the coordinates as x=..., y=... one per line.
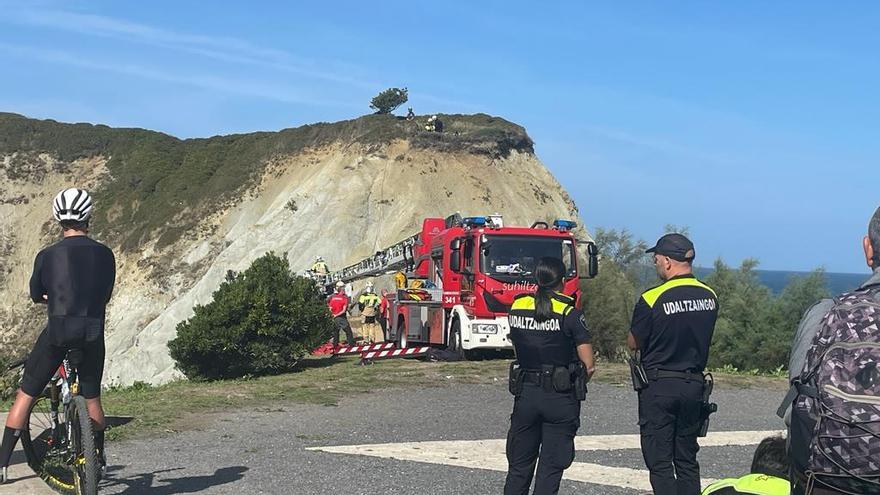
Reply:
x=45, y=359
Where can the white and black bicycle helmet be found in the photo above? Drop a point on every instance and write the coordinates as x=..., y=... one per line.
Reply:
x=72, y=204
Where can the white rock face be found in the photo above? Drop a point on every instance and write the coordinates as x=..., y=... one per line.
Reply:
x=349, y=203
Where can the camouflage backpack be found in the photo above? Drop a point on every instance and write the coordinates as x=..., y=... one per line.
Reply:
x=834, y=437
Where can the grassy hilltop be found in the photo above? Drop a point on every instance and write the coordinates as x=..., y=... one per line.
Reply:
x=160, y=183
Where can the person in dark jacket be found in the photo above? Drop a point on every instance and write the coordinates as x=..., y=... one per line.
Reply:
x=551, y=339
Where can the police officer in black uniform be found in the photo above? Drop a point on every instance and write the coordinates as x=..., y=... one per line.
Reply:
x=554, y=360
x=672, y=328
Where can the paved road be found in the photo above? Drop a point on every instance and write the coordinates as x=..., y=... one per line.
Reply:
x=265, y=451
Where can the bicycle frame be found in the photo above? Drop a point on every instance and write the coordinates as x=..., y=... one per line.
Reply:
x=62, y=387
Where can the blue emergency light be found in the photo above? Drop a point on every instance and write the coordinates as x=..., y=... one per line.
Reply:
x=564, y=225
x=474, y=222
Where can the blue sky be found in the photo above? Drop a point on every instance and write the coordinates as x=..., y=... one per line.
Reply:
x=753, y=123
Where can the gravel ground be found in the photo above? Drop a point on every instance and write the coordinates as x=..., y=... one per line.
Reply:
x=263, y=451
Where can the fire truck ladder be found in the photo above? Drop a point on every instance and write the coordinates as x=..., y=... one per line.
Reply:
x=396, y=257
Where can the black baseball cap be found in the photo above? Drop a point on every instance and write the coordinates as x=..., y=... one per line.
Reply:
x=676, y=246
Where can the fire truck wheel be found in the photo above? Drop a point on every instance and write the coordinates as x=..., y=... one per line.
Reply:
x=454, y=344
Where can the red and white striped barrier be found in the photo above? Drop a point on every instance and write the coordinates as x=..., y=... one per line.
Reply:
x=408, y=352
x=358, y=349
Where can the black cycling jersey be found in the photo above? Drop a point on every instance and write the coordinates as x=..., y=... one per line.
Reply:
x=77, y=274
x=551, y=342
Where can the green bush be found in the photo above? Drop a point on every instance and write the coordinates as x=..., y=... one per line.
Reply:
x=387, y=101
x=261, y=321
x=755, y=328
x=610, y=297
x=608, y=305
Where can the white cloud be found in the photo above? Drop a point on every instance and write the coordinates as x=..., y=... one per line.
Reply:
x=257, y=89
x=221, y=48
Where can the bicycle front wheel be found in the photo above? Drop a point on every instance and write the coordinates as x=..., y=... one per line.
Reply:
x=82, y=447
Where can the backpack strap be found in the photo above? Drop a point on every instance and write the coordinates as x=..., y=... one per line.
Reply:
x=787, y=401
x=797, y=388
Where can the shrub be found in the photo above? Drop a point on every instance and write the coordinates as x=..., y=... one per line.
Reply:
x=387, y=101
x=261, y=321
x=608, y=305
x=609, y=298
x=755, y=328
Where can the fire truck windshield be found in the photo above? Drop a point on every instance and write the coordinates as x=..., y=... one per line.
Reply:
x=515, y=257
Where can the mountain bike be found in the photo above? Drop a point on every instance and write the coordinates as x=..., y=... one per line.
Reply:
x=59, y=444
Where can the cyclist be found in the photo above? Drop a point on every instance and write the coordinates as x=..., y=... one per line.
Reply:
x=74, y=277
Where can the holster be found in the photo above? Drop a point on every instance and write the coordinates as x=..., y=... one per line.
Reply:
x=706, y=407
x=578, y=373
x=515, y=378
x=558, y=378
x=565, y=379
x=637, y=373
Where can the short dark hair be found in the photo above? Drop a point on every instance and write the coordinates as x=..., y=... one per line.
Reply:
x=874, y=236
x=771, y=458
x=74, y=225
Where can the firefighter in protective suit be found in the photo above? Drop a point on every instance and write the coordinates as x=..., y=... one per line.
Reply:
x=368, y=304
x=320, y=267
x=554, y=361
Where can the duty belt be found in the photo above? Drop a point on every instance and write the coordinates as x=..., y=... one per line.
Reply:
x=655, y=374
x=532, y=376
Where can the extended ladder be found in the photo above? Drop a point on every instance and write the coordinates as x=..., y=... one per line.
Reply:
x=396, y=257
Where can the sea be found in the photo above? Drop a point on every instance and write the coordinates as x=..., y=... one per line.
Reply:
x=776, y=280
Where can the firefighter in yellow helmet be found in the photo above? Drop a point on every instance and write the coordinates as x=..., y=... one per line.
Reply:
x=320, y=266
x=368, y=304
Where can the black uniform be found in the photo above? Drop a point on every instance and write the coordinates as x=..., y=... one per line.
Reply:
x=77, y=274
x=673, y=325
x=543, y=420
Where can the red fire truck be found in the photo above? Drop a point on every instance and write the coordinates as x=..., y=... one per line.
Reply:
x=468, y=270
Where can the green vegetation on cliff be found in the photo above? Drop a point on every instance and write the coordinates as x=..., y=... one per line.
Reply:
x=160, y=183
